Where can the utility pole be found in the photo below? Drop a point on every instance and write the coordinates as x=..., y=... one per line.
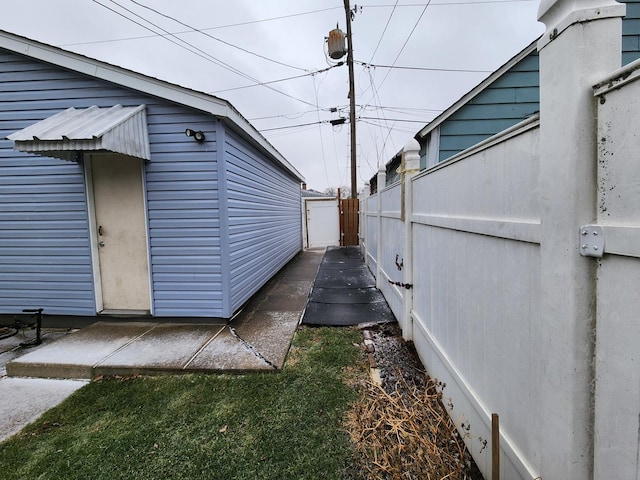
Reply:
x=352, y=101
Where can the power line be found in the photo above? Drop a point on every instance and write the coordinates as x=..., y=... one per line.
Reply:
x=416, y=112
x=293, y=126
x=374, y=97
x=404, y=130
x=404, y=110
x=283, y=127
x=391, y=119
x=324, y=158
x=285, y=115
x=405, y=42
x=203, y=29
x=438, y=4
x=215, y=38
x=280, y=80
x=283, y=133
x=193, y=49
x=383, y=32
x=376, y=90
x=426, y=69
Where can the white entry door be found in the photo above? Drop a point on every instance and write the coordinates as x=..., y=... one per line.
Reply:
x=323, y=223
x=120, y=234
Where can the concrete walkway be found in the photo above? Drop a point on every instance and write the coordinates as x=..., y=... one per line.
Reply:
x=258, y=339
x=22, y=400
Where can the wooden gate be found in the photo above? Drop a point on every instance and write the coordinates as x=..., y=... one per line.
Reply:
x=349, y=221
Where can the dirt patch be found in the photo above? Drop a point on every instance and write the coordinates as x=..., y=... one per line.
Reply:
x=400, y=427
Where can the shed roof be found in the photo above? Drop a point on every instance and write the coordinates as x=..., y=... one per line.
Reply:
x=137, y=81
x=310, y=193
x=117, y=129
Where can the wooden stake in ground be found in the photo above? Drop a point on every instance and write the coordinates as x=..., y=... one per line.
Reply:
x=495, y=447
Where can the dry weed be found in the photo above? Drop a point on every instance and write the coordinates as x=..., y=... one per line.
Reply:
x=407, y=434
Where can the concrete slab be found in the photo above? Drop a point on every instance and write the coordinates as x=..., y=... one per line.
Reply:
x=270, y=333
x=266, y=326
x=23, y=400
x=166, y=348
x=10, y=348
x=226, y=354
x=289, y=286
x=304, y=268
x=286, y=303
x=75, y=355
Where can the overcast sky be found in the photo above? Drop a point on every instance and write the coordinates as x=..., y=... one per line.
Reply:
x=229, y=47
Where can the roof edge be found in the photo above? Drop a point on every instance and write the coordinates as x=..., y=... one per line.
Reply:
x=466, y=98
x=143, y=83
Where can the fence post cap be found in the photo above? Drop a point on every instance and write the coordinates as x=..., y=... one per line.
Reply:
x=558, y=15
x=412, y=146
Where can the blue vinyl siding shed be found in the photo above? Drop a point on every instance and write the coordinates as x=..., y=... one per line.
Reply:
x=262, y=210
x=223, y=216
x=505, y=98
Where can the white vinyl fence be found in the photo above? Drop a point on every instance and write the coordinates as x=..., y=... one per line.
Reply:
x=485, y=262
x=617, y=325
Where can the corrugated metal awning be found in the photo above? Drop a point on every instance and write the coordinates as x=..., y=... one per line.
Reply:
x=117, y=129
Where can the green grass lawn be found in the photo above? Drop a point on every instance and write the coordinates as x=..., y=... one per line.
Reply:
x=286, y=425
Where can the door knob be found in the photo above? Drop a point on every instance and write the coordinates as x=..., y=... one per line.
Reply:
x=101, y=244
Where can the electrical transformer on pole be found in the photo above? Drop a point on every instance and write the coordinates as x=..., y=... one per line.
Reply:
x=336, y=49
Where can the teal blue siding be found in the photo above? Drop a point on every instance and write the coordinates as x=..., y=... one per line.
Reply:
x=514, y=96
x=264, y=218
x=423, y=155
x=631, y=32
x=508, y=100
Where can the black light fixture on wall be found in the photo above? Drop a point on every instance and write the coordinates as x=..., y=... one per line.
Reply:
x=198, y=135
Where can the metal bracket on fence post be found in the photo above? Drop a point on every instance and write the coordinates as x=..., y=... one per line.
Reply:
x=591, y=241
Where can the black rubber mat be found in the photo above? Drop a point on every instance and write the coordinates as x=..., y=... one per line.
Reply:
x=347, y=295
x=336, y=253
x=344, y=263
x=341, y=314
x=356, y=277
x=344, y=292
